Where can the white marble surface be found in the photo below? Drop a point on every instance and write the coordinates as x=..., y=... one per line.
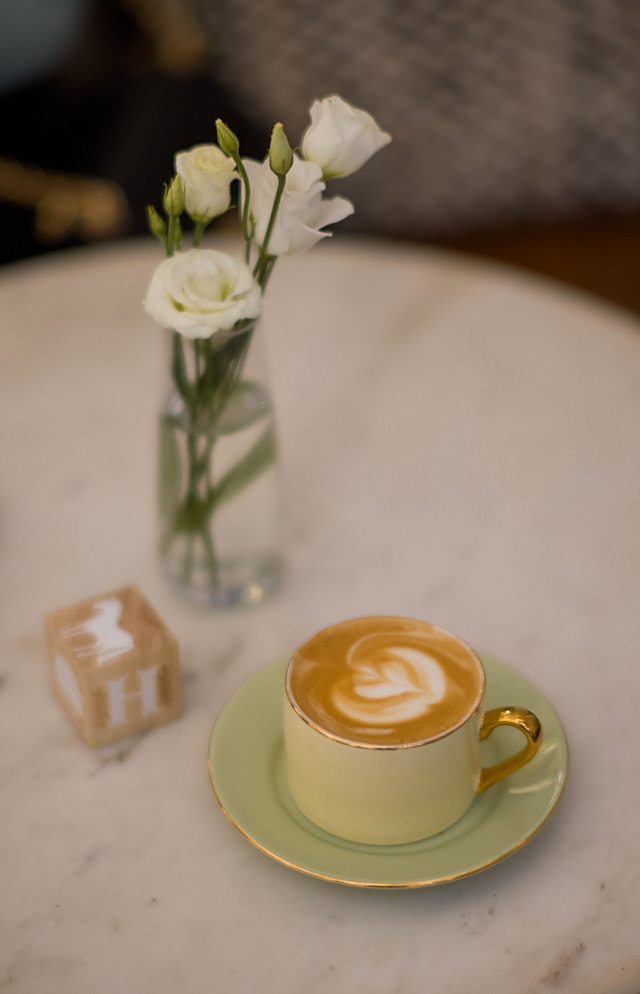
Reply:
x=460, y=443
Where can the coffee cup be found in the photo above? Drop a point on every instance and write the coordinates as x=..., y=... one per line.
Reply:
x=383, y=722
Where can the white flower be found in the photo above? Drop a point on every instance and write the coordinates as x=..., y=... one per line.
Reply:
x=340, y=137
x=302, y=211
x=207, y=174
x=202, y=291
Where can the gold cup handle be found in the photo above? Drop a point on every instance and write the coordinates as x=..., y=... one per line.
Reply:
x=528, y=724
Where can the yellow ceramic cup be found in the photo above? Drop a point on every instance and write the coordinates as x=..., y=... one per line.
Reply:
x=382, y=728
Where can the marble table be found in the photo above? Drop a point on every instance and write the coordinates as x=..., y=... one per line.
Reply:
x=460, y=443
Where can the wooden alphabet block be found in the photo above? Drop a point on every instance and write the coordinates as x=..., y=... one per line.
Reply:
x=113, y=666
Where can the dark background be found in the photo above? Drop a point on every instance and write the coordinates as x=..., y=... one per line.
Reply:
x=89, y=129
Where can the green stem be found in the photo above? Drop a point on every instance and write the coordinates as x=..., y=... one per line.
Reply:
x=174, y=234
x=198, y=232
x=206, y=390
x=197, y=385
x=268, y=269
x=259, y=270
x=248, y=235
x=179, y=367
x=207, y=525
x=192, y=452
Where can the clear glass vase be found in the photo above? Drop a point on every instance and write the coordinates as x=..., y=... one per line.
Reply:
x=219, y=484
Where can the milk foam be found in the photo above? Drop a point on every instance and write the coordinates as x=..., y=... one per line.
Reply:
x=385, y=681
x=390, y=686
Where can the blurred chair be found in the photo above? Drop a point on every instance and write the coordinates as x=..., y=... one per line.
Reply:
x=510, y=120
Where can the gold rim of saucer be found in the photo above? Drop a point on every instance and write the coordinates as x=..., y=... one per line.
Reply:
x=373, y=885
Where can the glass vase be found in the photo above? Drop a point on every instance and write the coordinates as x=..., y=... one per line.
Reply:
x=219, y=484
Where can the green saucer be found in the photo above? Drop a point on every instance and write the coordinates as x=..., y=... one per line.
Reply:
x=246, y=768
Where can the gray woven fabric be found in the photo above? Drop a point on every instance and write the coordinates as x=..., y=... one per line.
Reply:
x=501, y=110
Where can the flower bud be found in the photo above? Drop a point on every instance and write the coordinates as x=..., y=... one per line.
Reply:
x=157, y=226
x=227, y=141
x=173, y=201
x=280, y=154
x=206, y=173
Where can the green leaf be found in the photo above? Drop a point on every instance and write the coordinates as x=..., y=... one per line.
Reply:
x=258, y=459
x=192, y=516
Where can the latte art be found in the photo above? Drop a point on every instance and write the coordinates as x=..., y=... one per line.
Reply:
x=385, y=681
x=388, y=686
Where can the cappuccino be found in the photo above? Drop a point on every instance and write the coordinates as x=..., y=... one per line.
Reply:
x=385, y=681
x=382, y=728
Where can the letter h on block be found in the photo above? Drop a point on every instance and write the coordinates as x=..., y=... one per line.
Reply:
x=113, y=666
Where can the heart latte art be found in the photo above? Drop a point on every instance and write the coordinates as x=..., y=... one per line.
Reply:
x=385, y=681
x=387, y=686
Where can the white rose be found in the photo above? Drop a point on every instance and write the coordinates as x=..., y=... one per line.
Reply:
x=207, y=174
x=340, y=137
x=302, y=211
x=202, y=291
